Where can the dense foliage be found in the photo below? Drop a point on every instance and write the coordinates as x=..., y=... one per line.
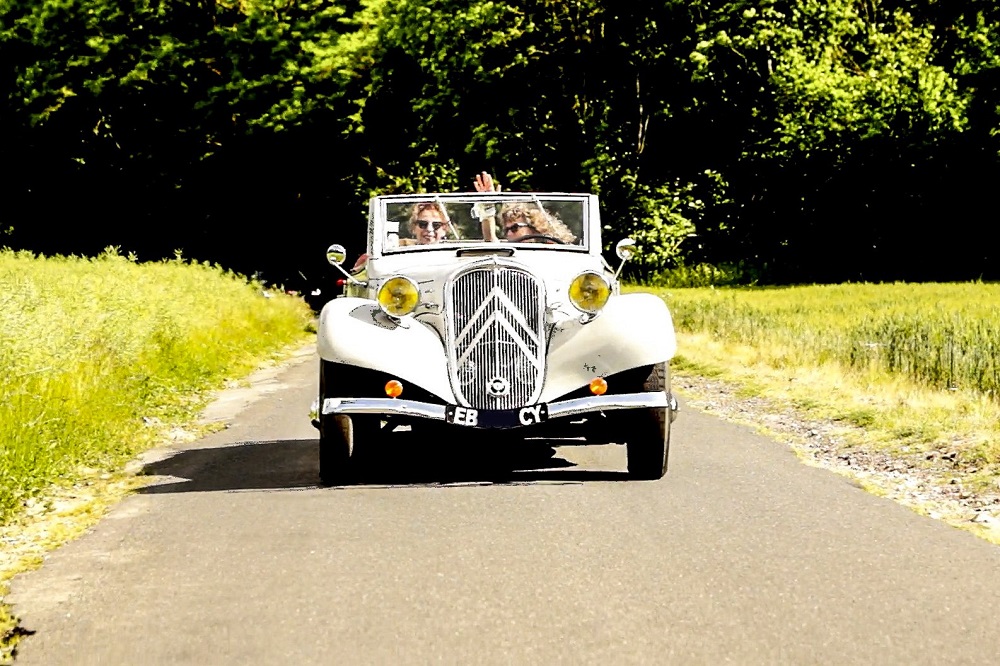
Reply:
x=796, y=140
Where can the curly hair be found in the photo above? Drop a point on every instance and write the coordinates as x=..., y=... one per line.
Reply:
x=541, y=221
x=418, y=208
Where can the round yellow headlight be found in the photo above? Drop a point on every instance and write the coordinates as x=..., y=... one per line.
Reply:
x=589, y=292
x=398, y=296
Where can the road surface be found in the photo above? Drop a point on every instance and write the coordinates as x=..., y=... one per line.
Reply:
x=469, y=553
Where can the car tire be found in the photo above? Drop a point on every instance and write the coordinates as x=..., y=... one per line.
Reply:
x=342, y=436
x=648, y=433
x=336, y=450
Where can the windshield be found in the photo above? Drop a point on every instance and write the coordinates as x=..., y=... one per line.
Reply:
x=431, y=221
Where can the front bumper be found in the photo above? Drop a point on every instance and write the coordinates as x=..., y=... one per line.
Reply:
x=554, y=410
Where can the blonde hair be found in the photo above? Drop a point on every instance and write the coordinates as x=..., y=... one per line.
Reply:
x=418, y=208
x=540, y=220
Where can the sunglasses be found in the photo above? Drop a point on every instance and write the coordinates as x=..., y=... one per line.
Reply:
x=514, y=227
x=423, y=224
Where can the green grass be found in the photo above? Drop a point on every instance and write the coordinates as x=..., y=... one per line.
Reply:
x=93, y=351
x=97, y=357
x=917, y=366
x=944, y=336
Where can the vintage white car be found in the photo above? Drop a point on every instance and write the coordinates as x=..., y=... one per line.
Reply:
x=491, y=312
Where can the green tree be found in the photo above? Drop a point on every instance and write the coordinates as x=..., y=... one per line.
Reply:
x=547, y=95
x=777, y=134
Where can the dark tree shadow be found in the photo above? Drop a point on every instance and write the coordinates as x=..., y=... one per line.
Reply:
x=403, y=459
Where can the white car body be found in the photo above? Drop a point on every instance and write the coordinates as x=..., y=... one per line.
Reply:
x=495, y=340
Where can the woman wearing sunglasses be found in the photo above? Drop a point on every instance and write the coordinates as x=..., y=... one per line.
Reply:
x=429, y=223
x=520, y=221
x=526, y=222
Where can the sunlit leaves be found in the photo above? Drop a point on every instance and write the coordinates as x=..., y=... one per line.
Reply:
x=787, y=102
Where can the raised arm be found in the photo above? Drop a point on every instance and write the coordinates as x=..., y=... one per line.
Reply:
x=485, y=212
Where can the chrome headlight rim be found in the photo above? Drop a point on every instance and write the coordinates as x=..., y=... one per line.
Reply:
x=385, y=284
x=604, y=302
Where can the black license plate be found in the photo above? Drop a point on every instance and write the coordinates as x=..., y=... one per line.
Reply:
x=496, y=418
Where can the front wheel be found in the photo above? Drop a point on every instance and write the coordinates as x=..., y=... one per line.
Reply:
x=340, y=435
x=336, y=450
x=647, y=442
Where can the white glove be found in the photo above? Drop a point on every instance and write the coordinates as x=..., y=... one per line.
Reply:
x=482, y=210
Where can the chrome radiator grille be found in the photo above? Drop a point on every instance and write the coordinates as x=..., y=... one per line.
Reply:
x=497, y=337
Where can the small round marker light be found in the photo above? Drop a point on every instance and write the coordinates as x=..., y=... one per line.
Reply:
x=598, y=386
x=393, y=388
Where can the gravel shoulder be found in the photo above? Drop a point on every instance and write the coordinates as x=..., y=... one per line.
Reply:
x=938, y=484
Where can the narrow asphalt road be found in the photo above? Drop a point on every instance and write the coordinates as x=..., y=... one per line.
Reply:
x=742, y=554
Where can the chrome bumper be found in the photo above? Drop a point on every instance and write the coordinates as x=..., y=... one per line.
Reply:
x=558, y=409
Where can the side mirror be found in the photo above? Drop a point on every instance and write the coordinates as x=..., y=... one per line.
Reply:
x=625, y=249
x=337, y=254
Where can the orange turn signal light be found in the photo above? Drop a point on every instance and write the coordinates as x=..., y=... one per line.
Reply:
x=393, y=388
x=598, y=386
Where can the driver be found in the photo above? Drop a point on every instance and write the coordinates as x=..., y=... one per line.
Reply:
x=429, y=223
x=523, y=221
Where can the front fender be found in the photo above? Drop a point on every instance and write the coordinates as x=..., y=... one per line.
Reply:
x=356, y=332
x=633, y=330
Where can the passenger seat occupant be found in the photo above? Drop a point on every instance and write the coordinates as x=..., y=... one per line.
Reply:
x=522, y=220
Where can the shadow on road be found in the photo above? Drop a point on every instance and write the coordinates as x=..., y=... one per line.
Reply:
x=292, y=464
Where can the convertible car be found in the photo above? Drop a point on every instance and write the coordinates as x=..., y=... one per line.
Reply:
x=491, y=312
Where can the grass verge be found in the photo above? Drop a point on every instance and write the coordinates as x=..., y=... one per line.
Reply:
x=99, y=358
x=929, y=442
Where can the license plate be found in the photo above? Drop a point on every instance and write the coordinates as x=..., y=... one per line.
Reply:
x=496, y=418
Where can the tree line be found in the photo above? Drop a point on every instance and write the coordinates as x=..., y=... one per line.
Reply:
x=787, y=140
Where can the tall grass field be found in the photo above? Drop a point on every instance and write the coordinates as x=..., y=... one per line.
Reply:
x=94, y=350
x=890, y=342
